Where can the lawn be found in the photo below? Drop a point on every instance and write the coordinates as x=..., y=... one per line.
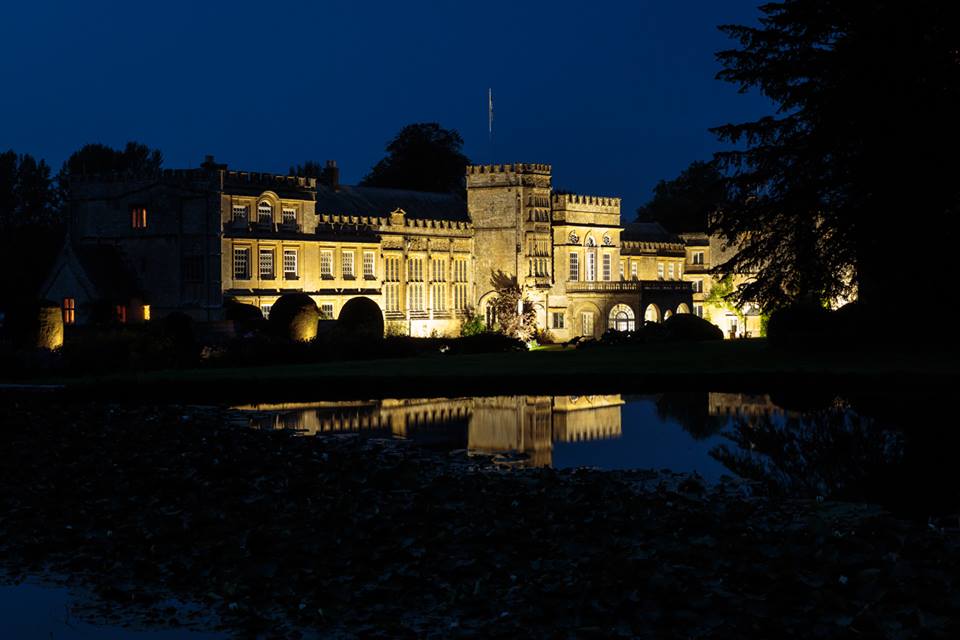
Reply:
x=729, y=365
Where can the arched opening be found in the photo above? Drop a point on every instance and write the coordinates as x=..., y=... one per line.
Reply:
x=683, y=308
x=652, y=313
x=667, y=314
x=622, y=318
x=361, y=317
x=591, y=259
x=264, y=212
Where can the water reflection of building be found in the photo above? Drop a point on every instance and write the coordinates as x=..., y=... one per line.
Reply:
x=742, y=405
x=528, y=424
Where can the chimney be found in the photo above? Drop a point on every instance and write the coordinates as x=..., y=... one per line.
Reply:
x=331, y=175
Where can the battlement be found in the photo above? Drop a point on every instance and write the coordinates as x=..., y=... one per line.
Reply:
x=268, y=179
x=576, y=201
x=519, y=167
x=378, y=221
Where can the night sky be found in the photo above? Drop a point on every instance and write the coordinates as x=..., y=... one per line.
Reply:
x=616, y=95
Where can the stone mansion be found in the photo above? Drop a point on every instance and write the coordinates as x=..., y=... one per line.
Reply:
x=187, y=240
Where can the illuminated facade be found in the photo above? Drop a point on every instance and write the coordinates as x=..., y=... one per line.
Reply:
x=186, y=240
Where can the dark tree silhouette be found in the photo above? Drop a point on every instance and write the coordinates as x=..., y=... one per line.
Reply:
x=422, y=157
x=859, y=155
x=98, y=159
x=27, y=196
x=687, y=202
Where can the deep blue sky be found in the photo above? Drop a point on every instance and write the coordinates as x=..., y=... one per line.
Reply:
x=616, y=95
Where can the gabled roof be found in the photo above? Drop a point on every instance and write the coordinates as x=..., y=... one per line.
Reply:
x=648, y=232
x=106, y=269
x=373, y=201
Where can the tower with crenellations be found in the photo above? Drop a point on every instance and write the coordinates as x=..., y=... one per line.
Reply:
x=510, y=208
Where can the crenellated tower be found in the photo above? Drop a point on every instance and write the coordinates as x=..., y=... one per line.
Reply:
x=510, y=208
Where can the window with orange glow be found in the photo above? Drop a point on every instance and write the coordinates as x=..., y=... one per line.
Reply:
x=69, y=311
x=138, y=217
x=121, y=314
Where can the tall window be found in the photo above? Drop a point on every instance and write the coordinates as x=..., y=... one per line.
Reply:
x=697, y=286
x=69, y=310
x=192, y=268
x=698, y=257
x=698, y=309
x=607, y=267
x=346, y=264
x=591, y=266
x=146, y=313
x=265, y=310
x=439, y=296
x=633, y=270
x=460, y=297
x=660, y=271
x=391, y=291
x=289, y=217
x=574, y=267
x=326, y=311
x=622, y=271
x=415, y=294
x=241, y=263
x=266, y=264
x=439, y=270
x=326, y=264
x=368, y=265
x=138, y=217
x=121, y=314
x=670, y=270
x=415, y=270
x=392, y=267
x=290, y=264
x=558, y=319
x=586, y=322
x=265, y=212
x=239, y=213
x=460, y=271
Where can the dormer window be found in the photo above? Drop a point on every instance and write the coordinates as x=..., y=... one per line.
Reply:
x=239, y=213
x=289, y=216
x=265, y=213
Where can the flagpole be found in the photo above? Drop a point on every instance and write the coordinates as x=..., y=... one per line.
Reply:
x=490, y=121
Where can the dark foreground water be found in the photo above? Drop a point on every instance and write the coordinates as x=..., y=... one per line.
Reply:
x=891, y=449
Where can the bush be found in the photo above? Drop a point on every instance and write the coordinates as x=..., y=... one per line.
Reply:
x=473, y=325
x=801, y=326
x=294, y=316
x=360, y=319
x=246, y=318
x=487, y=342
x=36, y=326
x=687, y=327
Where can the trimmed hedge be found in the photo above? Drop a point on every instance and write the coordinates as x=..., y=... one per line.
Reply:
x=294, y=316
x=686, y=327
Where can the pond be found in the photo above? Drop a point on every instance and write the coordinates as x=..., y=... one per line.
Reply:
x=888, y=449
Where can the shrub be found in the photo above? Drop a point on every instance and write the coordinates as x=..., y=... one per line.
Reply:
x=472, y=325
x=36, y=326
x=690, y=328
x=360, y=319
x=246, y=318
x=800, y=326
x=487, y=342
x=294, y=316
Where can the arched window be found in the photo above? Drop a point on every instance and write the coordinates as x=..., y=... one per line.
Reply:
x=652, y=313
x=265, y=212
x=622, y=318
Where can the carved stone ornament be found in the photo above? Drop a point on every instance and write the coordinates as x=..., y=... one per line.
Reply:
x=607, y=241
x=574, y=238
